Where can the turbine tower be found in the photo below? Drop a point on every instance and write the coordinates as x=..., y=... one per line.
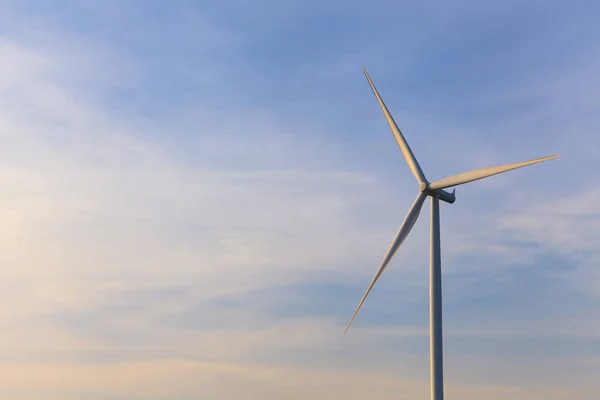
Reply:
x=436, y=191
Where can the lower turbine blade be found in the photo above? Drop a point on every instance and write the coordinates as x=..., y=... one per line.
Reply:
x=407, y=225
x=471, y=176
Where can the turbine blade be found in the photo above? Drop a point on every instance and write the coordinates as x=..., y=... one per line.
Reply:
x=407, y=225
x=471, y=176
x=404, y=148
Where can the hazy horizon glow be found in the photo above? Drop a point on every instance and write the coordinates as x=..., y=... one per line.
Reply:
x=194, y=197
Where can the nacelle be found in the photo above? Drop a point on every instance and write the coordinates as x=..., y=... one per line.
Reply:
x=446, y=196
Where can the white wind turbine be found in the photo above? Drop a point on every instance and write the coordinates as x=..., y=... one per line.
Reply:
x=436, y=192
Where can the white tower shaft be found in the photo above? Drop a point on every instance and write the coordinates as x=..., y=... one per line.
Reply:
x=435, y=306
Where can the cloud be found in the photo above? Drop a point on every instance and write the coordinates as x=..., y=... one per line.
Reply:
x=565, y=225
x=168, y=378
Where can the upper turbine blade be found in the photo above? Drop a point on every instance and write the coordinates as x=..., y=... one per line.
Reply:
x=471, y=176
x=406, y=151
x=407, y=225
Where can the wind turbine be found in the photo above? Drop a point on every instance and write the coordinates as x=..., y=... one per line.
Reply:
x=436, y=191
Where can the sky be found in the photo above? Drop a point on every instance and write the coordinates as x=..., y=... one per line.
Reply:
x=194, y=196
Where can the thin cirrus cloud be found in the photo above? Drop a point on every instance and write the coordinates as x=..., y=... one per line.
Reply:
x=196, y=195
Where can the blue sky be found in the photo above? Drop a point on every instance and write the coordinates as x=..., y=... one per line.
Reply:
x=195, y=195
